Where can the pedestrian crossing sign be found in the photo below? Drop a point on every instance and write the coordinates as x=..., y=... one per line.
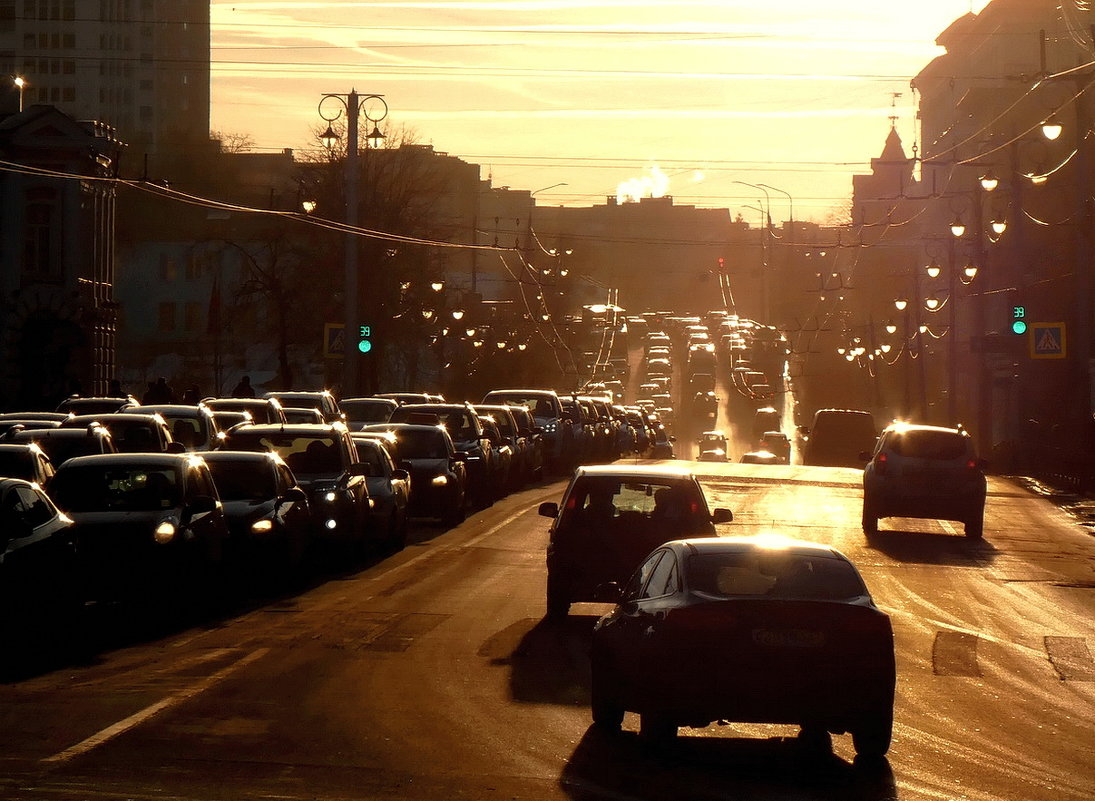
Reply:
x=334, y=340
x=1047, y=341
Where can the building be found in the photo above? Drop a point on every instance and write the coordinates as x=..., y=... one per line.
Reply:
x=57, y=304
x=140, y=66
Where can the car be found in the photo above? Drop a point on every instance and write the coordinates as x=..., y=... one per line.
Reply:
x=267, y=512
x=611, y=516
x=227, y=420
x=518, y=472
x=12, y=426
x=761, y=457
x=20, y=417
x=192, y=425
x=658, y=366
x=438, y=472
x=528, y=430
x=39, y=570
x=74, y=404
x=61, y=444
x=322, y=399
x=411, y=397
x=149, y=526
x=324, y=460
x=766, y=418
x=746, y=629
x=26, y=461
x=389, y=488
x=468, y=436
x=776, y=442
x=293, y=415
x=662, y=447
x=559, y=429
x=367, y=411
x=132, y=433
x=924, y=471
x=838, y=437
x=262, y=410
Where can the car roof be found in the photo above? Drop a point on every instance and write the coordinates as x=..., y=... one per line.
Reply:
x=898, y=426
x=241, y=456
x=634, y=471
x=299, y=429
x=21, y=482
x=170, y=409
x=120, y=459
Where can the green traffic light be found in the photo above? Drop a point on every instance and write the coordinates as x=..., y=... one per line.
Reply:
x=364, y=346
x=1019, y=327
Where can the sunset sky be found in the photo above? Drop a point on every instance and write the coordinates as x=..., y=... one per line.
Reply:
x=682, y=98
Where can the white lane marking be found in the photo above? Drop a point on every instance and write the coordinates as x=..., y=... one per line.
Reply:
x=137, y=718
x=946, y=524
x=498, y=527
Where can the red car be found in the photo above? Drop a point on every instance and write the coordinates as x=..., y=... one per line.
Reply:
x=748, y=630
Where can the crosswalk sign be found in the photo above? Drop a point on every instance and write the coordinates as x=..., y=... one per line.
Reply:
x=1047, y=341
x=334, y=340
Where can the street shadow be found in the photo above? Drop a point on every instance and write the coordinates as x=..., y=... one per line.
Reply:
x=619, y=765
x=548, y=661
x=931, y=548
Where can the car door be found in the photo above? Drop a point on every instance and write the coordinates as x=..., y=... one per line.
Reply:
x=631, y=630
x=38, y=549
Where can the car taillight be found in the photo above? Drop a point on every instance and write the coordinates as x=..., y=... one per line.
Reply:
x=880, y=464
x=971, y=465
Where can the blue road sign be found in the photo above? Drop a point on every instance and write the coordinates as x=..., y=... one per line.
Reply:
x=1047, y=341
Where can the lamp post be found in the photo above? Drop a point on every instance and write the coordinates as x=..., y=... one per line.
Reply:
x=20, y=84
x=353, y=105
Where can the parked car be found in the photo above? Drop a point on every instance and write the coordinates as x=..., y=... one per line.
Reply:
x=559, y=429
x=148, y=525
x=132, y=433
x=362, y=412
x=194, y=426
x=610, y=518
x=26, y=461
x=324, y=461
x=62, y=444
x=838, y=436
x=389, y=488
x=266, y=509
x=528, y=429
x=923, y=471
x=40, y=588
x=319, y=399
x=468, y=435
x=438, y=472
x=742, y=630
x=262, y=410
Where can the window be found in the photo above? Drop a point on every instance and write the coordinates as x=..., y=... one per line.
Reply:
x=663, y=581
x=36, y=509
x=40, y=256
x=639, y=578
x=167, y=317
x=192, y=316
x=168, y=268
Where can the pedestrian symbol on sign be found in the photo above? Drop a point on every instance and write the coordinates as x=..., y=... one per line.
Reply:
x=1047, y=341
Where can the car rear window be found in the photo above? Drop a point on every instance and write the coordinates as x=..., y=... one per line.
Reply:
x=421, y=445
x=135, y=488
x=304, y=455
x=773, y=574
x=929, y=444
x=17, y=465
x=610, y=497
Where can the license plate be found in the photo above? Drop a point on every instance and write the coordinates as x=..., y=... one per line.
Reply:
x=789, y=638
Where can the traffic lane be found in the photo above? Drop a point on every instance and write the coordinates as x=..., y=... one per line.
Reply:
x=976, y=623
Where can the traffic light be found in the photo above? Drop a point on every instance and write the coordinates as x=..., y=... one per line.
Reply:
x=365, y=338
x=1018, y=319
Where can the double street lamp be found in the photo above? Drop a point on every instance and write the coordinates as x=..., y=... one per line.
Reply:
x=374, y=109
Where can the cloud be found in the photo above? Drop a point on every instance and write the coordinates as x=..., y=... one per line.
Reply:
x=654, y=184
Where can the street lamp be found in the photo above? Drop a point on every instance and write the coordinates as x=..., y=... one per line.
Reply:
x=353, y=105
x=20, y=84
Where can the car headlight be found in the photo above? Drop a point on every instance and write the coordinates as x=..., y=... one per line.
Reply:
x=330, y=496
x=439, y=481
x=330, y=524
x=551, y=427
x=165, y=532
x=262, y=526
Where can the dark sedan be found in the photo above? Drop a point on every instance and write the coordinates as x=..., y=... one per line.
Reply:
x=148, y=524
x=389, y=487
x=754, y=630
x=438, y=475
x=132, y=433
x=266, y=509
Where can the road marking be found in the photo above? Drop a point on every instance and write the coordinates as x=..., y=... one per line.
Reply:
x=947, y=527
x=137, y=718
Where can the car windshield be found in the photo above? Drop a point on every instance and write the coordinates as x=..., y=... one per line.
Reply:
x=260, y=412
x=58, y=449
x=242, y=481
x=368, y=452
x=305, y=455
x=926, y=444
x=16, y=464
x=188, y=431
x=367, y=411
x=421, y=445
x=773, y=574
x=128, y=488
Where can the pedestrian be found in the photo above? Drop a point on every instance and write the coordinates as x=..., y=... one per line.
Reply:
x=243, y=388
x=192, y=396
x=159, y=392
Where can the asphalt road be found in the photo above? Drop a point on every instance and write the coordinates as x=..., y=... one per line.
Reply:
x=430, y=675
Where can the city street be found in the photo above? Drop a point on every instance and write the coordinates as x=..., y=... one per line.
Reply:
x=431, y=675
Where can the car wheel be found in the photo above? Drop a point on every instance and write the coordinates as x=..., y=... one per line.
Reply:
x=975, y=525
x=607, y=714
x=871, y=737
x=656, y=729
x=558, y=605
x=870, y=519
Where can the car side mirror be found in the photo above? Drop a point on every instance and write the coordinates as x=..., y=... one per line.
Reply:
x=460, y=456
x=609, y=593
x=295, y=495
x=548, y=509
x=401, y=475
x=175, y=447
x=203, y=503
x=721, y=515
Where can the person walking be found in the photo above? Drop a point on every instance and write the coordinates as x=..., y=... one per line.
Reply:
x=244, y=389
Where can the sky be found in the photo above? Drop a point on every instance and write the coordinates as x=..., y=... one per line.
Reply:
x=690, y=98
